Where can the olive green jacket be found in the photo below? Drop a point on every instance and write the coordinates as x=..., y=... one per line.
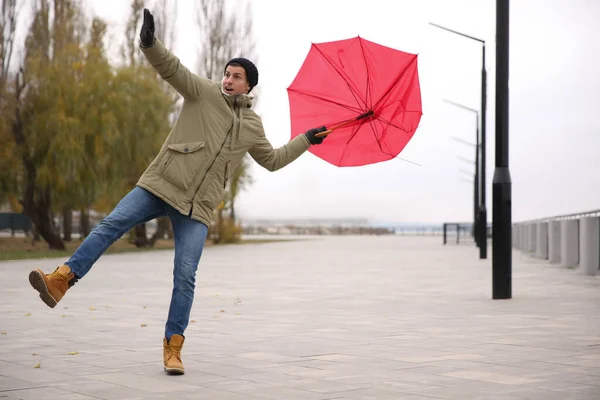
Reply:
x=210, y=137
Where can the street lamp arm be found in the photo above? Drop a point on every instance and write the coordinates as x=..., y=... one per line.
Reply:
x=464, y=141
x=461, y=106
x=458, y=33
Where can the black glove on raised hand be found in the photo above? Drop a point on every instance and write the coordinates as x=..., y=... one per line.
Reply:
x=147, y=31
x=310, y=135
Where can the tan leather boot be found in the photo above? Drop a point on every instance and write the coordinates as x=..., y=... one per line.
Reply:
x=52, y=287
x=172, y=355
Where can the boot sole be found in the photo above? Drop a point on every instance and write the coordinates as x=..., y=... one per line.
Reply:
x=36, y=279
x=174, y=371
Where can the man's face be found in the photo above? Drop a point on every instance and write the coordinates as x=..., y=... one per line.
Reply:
x=234, y=80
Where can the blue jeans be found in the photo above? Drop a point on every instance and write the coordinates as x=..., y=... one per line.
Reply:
x=140, y=206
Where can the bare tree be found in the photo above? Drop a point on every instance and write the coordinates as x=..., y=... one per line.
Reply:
x=8, y=26
x=8, y=160
x=224, y=35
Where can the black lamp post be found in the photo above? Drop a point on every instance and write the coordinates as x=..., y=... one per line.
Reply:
x=476, y=181
x=501, y=190
x=482, y=212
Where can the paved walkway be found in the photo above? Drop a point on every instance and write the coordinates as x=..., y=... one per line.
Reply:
x=331, y=318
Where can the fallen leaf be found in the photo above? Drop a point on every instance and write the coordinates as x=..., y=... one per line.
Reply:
x=144, y=306
x=37, y=365
x=92, y=308
x=72, y=353
x=35, y=354
x=2, y=333
x=237, y=313
x=222, y=311
x=143, y=325
x=28, y=314
x=64, y=316
x=193, y=321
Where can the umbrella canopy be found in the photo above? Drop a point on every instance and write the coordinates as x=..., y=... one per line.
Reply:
x=367, y=94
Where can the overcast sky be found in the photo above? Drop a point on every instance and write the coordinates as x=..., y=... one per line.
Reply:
x=554, y=102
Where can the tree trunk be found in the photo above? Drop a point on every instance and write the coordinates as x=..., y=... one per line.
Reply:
x=219, y=230
x=39, y=213
x=141, y=240
x=36, y=200
x=163, y=226
x=84, y=224
x=232, y=209
x=67, y=215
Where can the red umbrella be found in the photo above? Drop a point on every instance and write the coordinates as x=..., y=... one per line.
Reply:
x=367, y=93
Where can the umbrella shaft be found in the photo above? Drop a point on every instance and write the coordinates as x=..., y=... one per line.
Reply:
x=362, y=116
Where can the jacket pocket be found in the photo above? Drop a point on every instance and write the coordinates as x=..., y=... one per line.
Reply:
x=181, y=162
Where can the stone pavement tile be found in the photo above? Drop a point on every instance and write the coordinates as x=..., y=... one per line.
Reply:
x=191, y=377
x=103, y=361
x=540, y=394
x=332, y=360
x=425, y=379
x=47, y=393
x=306, y=372
x=269, y=357
x=231, y=361
x=378, y=394
x=8, y=383
x=282, y=392
x=235, y=385
x=564, y=382
x=326, y=386
x=102, y=390
x=201, y=367
x=31, y=374
x=213, y=394
x=149, y=384
x=70, y=366
x=465, y=391
x=492, y=377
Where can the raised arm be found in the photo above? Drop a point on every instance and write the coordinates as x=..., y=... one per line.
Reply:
x=168, y=66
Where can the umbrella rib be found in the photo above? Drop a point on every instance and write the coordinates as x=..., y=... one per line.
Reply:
x=391, y=124
x=389, y=89
x=354, y=132
x=388, y=152
x=368, y=89
x=347, y=107
x=375, y=134
x=410, y=86
x=343, y=77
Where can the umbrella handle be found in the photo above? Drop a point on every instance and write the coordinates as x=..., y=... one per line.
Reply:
x=324, y=133
x=333, y=128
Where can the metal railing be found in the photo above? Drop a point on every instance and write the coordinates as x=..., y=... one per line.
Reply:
x=594, y=213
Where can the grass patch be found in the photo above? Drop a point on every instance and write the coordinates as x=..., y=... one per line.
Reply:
x=22, y=248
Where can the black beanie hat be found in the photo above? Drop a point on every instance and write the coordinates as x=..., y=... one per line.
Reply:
x=249, y=67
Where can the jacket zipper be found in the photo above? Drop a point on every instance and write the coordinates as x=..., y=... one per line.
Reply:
x=208, y=169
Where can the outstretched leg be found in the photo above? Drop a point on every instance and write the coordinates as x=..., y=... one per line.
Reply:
x=136, y=207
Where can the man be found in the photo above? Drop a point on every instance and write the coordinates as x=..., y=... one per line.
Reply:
x=186, y=180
